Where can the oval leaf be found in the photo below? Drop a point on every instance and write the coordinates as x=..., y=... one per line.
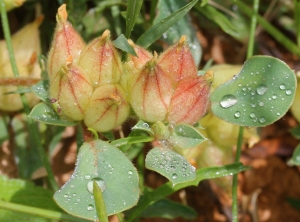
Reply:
x=259, y=95
x=41, y=90
x=296, y=157
x=170, y=164
x=114, y=173
x=46, y=114
x=122, y=43
x=185, y=136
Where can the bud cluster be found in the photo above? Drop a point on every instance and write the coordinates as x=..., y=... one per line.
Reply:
x=90, y=83
x=167, y=87
x=84, y=79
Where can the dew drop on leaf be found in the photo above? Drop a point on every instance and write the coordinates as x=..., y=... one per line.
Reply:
x=90, y=207
x=228, y=101
x=262, y=119
x=282, y=87
x=252, y=115
x=261, y=89
x=174, y=175
x=100, y=183
x=237, y=114
x=288, y=92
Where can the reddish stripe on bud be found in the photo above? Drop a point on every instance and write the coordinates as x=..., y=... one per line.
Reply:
x=72, y=89
x=151, y=92
x=190, y=99
x=177, y=61
x=66, y=42
x=101, y=61
x=107, y=108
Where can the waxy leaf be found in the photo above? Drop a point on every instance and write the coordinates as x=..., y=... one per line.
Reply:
x=116, y=176
x=143, y=126
x=46, y=114
x=170, y=164
x=41, y=90
x=185, y=136
x=259, y=95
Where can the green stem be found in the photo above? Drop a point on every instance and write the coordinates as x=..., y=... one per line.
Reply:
x=54, y=215
x=241, y=130
x=274, y=32
x=32, y=127
x=99, y=203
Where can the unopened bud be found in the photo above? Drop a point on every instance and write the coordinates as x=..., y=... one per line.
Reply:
x=66, y=42
x=151, y=92
x=190, y=99
x=107, y=109
x=72, y=89
x=101, y=61
x=177, y=61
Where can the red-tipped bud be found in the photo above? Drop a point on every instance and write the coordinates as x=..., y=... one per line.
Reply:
x=66, y=42
x=107, y=108
x=101, y=61
x=151, y=92
x=190, y=99
x=177, y=61
x=72, y=89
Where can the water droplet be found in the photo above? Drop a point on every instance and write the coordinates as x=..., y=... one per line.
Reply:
x=269, y=65
x=262, y=119
x=288, y=92
x=90, y=207
x=252, y=115
x=278, y=114
x=274, y=96
x=237, y=114
x=282, y=87
x=261, y=89
x=88, y=177
x=228, y=101
x=261, y=103
x=130, y=172
x=174, y=176
x=100, y=183
x=244, y=89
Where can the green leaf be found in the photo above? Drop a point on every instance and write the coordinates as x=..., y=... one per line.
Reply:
x=114, y=173
x=156, y=31
x=132, y=13
x=143, y=126
x=169, y=209
x=204, y=2
x=122, y=43
x=216, y=16
x=182, y=27
x=168, y=188
x=170, y=164
x=296, y=157
x=41, y=90
x=99, y=203
x=185, y=136
x=131, y=140
x=24, y=192
x=296, y=132
x=259, y=95
x=46, y=114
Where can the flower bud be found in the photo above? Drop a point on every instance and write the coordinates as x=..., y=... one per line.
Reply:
x=151, y=92
x=177, y=61
x=66, y=42
x=72, y=89
x=101, y=61
x=143, y=56
x=190, y=99
x=107, y=108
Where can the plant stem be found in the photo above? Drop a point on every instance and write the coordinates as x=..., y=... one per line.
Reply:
x=32, y=127
x=241, y=130
x=54, y=215
x=274, y=32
